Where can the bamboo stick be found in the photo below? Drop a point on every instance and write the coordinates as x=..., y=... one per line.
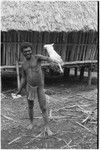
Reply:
x=34, y=51
x=4, y=54
x=72, y=53
x=85, y=52
x=8, y=67
x=9, y=118
x=39, y=45
x=17, y=63
x=78, y=41
x=66, y=72
x=86, y=42
x=47, y=37
x=65, y=64
x=88, y=53
x=81, y=45
x=75, y=50
x=31, y=36
x=15, y=49
x=11, y=54
x=78, y=51
x=89, y=76
x=63, y=54
x=92, y=52
x=89, y=37
x=18, y=78
x=82, y=57
x=95, y=51
x=67, y=53
x=75, y=56
x=93, y=36
x=4, y=50
x=55, y=36
x=15, y=140
x=84, y=49
x=82, y=72
x=86, y=128
x=39, y=48
x=96, y=54
x=75, y=71
x=32, y=39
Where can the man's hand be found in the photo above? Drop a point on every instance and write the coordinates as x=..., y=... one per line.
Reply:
x=18, y=92
x=15, y=96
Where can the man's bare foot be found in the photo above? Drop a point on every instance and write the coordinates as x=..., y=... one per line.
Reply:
x=30, y=126
x=48, y=131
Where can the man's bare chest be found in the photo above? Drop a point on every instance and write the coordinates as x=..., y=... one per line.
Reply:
x=31, y=66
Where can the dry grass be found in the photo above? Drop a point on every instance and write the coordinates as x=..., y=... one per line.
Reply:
x=48, y=16
x=73, y=119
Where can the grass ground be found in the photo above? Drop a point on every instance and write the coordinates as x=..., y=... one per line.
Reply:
x=69, y=104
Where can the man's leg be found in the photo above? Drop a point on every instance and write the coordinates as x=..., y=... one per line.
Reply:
x=30, y=111
x=42, y=103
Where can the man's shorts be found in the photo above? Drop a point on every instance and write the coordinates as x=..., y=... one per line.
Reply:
x=31, y=92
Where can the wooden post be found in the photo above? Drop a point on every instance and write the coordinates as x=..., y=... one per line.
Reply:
x=18, y=77
x=81, y=72
x=4, y=50
x=17, y=64
x=66, y=72
x=75, y=72
x=89, y=75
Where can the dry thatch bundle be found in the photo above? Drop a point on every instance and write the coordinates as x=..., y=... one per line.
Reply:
x=48, y=16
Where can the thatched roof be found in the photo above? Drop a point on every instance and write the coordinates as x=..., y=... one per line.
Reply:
x=48, y=15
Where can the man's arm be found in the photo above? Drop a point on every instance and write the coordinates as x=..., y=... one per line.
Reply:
x=43, y=58
x=23, y=81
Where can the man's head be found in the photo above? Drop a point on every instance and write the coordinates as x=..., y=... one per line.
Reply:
x=26, y=49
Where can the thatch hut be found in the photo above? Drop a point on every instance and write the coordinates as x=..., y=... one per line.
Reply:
x=71, y=26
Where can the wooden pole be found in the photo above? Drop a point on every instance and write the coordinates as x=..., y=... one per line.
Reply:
x=75, y=72
x=17, y=64
x=66, y=72
x=18, y=77
x=4, y=50
x=89, y=75
x=82, y=73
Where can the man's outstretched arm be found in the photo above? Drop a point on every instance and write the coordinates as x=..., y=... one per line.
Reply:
x=43, y=58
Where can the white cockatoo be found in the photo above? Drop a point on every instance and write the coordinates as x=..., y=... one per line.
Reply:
x=54, y=56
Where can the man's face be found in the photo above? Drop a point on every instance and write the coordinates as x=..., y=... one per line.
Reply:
x=27, y=52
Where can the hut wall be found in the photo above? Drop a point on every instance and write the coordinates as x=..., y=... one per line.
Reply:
x=72, y=46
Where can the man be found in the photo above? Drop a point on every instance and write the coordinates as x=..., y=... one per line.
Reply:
x=32, y=77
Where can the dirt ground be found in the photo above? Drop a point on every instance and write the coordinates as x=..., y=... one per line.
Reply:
x=69, y=103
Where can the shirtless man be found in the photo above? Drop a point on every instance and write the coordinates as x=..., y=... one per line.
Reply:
x=33, y=79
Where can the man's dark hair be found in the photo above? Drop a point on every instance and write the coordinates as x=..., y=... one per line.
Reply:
x=25, y=45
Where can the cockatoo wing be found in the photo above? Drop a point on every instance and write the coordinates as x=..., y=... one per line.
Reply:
x=56, y=58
